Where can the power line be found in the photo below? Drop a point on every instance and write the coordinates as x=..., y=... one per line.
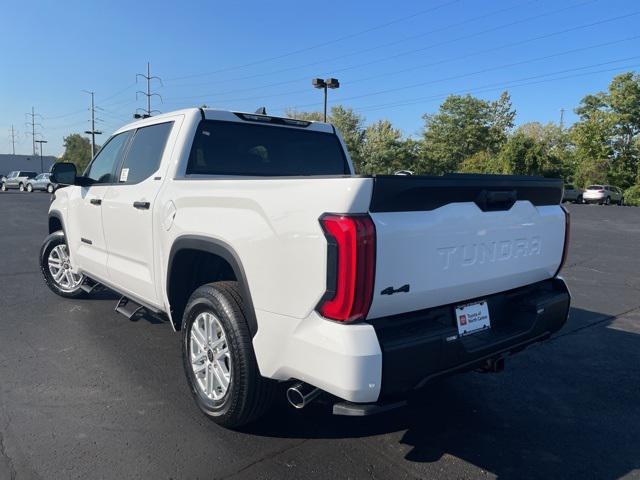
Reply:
x=409, y=52
x=444, y=79
x=521, y=82
x=148, y=93
x=319, y=45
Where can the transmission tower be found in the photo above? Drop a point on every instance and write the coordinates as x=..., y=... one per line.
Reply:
x=33, y=124
x=93, y=132
x=13, y=140
x=148, y=93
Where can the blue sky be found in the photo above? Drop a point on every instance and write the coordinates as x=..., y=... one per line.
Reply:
x=395, y=60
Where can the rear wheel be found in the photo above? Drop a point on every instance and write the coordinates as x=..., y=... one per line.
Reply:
x=218, y=357
x=29, y=188
x=607, y=201
x=56, y=269
x=49, y=188
x=21, y=187
x=621, y=202
x=4, y=187
x=579, y=199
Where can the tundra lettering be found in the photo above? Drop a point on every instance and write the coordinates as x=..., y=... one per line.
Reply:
x=480, y=253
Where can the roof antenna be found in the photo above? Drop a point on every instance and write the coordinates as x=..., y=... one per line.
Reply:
x=261, y=111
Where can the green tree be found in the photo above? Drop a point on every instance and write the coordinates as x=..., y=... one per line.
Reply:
x=77, y=150
x=558, y=157
x=384, y=151
x=606, y=137
x=522, y=155
x=591, y=137
x=482, y=162
x=464, y=126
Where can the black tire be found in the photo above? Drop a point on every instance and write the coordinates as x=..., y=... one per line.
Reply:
x=21, y=187
x=29, y=188
x=621, y=202
x=50, y=243
x=579, y=199
x=607, y=201
x=249, y=395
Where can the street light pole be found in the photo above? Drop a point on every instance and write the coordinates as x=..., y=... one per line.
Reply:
x=325, y=84
x=41, y=160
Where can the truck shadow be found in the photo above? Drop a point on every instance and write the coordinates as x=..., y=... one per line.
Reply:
x=568, y=408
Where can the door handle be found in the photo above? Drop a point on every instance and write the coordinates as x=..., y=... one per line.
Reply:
x=95, y=201
x=141, y=205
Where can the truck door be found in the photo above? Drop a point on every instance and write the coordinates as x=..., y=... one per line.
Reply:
x=84, y=230
x=128, y=213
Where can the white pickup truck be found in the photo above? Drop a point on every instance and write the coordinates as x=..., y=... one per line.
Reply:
x=253, y=236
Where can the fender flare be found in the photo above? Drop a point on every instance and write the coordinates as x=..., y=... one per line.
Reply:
x=225, y=251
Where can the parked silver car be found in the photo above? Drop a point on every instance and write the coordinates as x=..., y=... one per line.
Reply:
x=603, y=195
x=41, y=182
x=17, y=179
x=572, y=194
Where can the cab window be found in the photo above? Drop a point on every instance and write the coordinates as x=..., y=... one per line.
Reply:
x=145, y=153
x=103, y=167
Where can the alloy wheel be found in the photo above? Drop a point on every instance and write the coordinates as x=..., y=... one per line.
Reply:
x=60, y=269
x=210, y=356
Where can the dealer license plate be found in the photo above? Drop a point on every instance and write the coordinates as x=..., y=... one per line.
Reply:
x=472, y=318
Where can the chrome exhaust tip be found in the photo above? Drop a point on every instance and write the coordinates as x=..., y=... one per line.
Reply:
x=302, y=394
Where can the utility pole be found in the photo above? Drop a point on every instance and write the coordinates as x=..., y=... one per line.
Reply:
x=41, y=162
x=93, y=132
x=561, y=118
x=148, y=93
x=33, y=125
x=13, y=140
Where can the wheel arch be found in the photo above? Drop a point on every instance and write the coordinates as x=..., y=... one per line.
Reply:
x=213, y=248
x=56, y=223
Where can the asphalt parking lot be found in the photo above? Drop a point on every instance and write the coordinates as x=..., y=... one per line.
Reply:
x=86, y=393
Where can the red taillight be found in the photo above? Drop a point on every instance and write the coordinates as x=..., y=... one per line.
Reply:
x=567, y=237
x=350, y=266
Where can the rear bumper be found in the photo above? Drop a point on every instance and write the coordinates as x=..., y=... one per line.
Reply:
x=423, y=345
x=385, y=358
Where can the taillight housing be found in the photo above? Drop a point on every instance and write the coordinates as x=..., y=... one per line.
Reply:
x=351, y=251
x=567, y=238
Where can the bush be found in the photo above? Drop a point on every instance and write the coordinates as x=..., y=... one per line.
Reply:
x=632, y=196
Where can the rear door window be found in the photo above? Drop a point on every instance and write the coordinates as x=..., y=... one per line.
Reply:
x=145, y=153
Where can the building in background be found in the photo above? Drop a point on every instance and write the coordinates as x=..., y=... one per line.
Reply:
x=9, y=163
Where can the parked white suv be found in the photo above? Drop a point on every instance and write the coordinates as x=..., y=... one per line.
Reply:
x=253, y=236
x=603, y=195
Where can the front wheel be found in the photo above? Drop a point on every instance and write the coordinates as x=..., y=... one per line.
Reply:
x=49, y=188
x=579, y=199
x=621, y=202
x=56, y=268
x=218, y=357
x=4, y=187
x=29, y=188
x=21, y=187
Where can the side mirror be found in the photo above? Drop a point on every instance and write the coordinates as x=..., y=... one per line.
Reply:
x=64, y=173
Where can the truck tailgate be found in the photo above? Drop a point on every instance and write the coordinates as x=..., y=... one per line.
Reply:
x=449, y=239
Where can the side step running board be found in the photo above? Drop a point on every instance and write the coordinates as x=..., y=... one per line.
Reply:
x=89, y=286
x=128, y=307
